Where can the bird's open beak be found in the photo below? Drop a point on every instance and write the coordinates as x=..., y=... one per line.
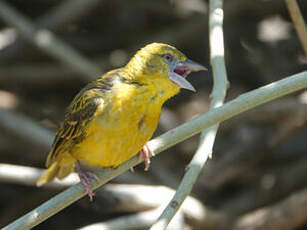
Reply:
x=181, y=70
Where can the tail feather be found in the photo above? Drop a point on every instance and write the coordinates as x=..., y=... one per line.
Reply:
x=49, y=174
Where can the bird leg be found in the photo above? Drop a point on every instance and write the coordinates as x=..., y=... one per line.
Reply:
x=84, y=177
x=146, y=152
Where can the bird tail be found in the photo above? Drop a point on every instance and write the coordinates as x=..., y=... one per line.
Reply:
x=58, y=169
x=49, y=174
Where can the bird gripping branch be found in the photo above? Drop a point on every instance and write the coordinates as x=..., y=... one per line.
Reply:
x=111, y=119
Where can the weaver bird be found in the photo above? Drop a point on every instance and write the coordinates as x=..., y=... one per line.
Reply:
x=111, y=119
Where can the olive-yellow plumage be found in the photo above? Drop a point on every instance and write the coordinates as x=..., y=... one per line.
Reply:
x=113, y=117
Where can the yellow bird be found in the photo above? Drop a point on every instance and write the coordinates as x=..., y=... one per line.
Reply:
x=111, y=119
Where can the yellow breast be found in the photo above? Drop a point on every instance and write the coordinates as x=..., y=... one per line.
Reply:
x=122, y=128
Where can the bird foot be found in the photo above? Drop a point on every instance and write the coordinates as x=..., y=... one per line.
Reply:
x=146, y=152
x=85, y=180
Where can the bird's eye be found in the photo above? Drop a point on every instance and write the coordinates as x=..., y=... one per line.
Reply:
x=168, y=57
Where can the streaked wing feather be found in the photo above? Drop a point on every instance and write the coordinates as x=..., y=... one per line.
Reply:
x=79, y=113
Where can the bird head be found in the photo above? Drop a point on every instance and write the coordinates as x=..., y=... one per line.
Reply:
x=161, y=61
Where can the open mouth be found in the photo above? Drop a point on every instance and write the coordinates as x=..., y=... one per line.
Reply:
x=182, y=70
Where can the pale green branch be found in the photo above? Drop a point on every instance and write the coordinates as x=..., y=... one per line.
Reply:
x=240, y=104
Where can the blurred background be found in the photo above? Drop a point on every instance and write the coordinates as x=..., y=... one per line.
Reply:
x=50, y=49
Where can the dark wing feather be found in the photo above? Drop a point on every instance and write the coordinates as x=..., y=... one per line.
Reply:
x=80, y=112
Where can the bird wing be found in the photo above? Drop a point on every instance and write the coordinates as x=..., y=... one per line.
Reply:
x=80, y=112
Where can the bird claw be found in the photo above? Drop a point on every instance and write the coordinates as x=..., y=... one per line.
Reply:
x=84, y=179
x=146, y=152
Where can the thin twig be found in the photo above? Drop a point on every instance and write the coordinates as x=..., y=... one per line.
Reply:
x=48, y=42
x=298, y=22
x=273, y=113
x=242, y=103
x=208, y=136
